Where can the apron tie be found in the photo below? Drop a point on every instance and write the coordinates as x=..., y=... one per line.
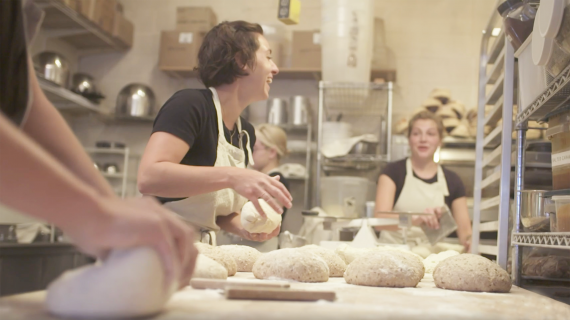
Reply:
x=249, y=153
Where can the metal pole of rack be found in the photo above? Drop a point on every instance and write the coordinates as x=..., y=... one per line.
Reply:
x=519, y=186
x=308, y=161
x=389, y=122
x=319, y=144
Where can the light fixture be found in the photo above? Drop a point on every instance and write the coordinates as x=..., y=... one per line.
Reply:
x=496, y=32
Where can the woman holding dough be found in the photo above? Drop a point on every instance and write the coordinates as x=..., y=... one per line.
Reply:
x=419, y=184
x=195, y=161
x=270, y=146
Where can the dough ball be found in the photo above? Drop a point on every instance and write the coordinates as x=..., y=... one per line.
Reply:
x=434, y=259
x=349, y=253
x=130, y=283
x=208, y=268
x=470, y=272
x=385, y=269
x=253, y=222
x=337, y=266
x=218, y=255
x=292, y=264
x=423, y=250
x=244, y=256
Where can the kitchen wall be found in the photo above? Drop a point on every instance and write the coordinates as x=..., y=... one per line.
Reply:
x=435, y=44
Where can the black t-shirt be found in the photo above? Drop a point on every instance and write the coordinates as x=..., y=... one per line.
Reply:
x=18, y=24
x=190, y=115
x=397, y=172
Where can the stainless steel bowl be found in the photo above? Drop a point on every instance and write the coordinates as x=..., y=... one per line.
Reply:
x=83, y=83
x=53, y=66
x=364, y=147
x=136, y=100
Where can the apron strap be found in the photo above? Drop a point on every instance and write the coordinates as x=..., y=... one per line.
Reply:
x=247, y=147
x=441, y=181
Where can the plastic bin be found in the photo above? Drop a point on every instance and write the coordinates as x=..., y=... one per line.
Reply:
x=346, y=197
x=562, y=213
x=532, y=79
x=559, y=135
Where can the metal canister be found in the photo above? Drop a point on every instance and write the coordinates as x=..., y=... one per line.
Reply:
x=300, y=112
x=277, y=111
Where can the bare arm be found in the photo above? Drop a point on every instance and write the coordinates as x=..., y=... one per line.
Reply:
x=461, y=215
x=161, y=174
x=385, y=194
x=47, y=127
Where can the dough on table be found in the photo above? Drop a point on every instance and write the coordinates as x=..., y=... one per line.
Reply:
x=129, y=283
x=349, y=253
x=244, y=256
x=209, y=269
x=291, y=264
x=253, y=222
x=216, y=254
x=434, y=259
x=337, y=266
x=385, y=269
x=470, y=272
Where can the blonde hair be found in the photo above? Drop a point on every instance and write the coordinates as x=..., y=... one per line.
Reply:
x=272, y=137
x=426, y=115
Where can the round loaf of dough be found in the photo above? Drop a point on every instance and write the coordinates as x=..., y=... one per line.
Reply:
x=292, y=264
x=253, y=222
x=470, y=272
x=219, y=256
x=434, y=259
x=208, y=268
x=244, y=256
x=385, y=269
x=129, y=283
x=349, y=253
x=337, y=266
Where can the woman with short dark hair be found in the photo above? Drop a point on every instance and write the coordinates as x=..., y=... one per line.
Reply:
x=195, y=161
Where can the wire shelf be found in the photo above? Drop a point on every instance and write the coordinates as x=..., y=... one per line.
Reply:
x=355, y=98
x=556, y=240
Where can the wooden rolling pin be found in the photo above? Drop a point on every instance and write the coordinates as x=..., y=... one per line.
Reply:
x=250, y=293
x=200, y=283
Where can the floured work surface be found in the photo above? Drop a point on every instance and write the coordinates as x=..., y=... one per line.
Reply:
x=353, y=302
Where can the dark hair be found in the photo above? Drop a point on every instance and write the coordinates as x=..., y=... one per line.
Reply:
x=225, y=50
x=426, y=115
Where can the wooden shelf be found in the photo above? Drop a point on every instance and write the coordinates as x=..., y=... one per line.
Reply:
x=291, y=74
x=62, y=22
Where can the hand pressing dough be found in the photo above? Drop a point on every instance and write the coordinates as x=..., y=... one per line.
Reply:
x=470, y=272
x=434, y=259
x=337, y=266
x=292, y=264
x=208, y=268
x=129, y=283
x=349, y=253
x=244, y=256
x=253, y=222
x=219, y=256
x=385, y=269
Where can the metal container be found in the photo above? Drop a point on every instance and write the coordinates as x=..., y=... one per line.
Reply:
x=136, y=100
x=535, y=210
x=53, y=66
x=300, y=112
x=289, y=240
x=83, y=83
x=365, y=147
x=277, y=111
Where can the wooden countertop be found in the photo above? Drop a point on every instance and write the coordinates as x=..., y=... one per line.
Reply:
x=424, y=302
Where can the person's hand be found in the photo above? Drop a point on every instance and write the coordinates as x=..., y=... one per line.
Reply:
x=254, y=185
x=260, y=237
x=466, y=242
x=432, y=220
x=138, y=222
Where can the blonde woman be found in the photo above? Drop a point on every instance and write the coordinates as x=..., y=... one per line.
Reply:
x=419, y=184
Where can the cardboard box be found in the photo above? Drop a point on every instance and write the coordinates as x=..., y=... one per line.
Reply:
x=123, y=29
x=306, y=51
x=81, y=6
x=195, y=19
x=103, y=13
x=179, y=50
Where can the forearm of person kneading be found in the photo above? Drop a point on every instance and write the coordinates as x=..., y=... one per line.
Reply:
x=172, y=180
x=35, y=183
x=461, y=215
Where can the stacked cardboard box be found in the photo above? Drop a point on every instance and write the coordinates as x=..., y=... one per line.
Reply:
x=306, y=50
x=179, y=48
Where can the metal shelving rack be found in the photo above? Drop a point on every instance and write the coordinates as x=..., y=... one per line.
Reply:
x=308, y=159
x=554, y=99
x=496, y=89
x=361, y=100
x=123, y=175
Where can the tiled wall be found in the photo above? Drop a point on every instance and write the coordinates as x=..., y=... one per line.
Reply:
x=435, y=43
